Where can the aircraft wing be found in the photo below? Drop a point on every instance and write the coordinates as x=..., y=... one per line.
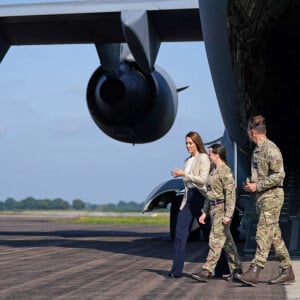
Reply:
x=129, y=98
x=94, y=21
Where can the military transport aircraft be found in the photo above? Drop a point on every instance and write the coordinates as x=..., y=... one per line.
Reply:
x=253, y=56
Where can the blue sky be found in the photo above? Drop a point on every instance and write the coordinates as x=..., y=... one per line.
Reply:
x=50, y=146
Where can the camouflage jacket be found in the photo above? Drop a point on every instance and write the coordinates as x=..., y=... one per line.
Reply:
x=221, y=185
x=267, y=166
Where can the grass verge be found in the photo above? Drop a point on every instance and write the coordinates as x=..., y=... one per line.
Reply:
x=135, y=220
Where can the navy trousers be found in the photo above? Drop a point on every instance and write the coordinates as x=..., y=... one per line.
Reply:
x=191, y=210
x=185, y=217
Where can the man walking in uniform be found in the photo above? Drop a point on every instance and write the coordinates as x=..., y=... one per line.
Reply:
x=267, y=175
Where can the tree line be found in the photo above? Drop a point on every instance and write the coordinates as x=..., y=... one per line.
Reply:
x=30, y=203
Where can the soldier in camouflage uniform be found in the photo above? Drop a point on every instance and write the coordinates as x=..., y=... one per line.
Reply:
x=220, y=204
x=267, y=175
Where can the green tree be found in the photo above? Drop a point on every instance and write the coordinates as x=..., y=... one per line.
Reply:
x=2, y=205
x=43, y=204
x=27, y=203
x=10, y=203
x=78, y=204
x=60, y=204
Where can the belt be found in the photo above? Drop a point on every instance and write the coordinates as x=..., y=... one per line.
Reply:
x=216, y=202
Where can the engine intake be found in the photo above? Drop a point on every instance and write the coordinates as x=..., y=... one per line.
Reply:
x=132, y=106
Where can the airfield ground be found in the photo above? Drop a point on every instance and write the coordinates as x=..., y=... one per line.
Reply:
x=41, y=258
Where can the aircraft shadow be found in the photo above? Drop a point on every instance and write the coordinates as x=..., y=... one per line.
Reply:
x=142, y=244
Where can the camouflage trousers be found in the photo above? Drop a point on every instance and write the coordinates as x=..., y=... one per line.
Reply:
x=220, y=237
x=268, y=232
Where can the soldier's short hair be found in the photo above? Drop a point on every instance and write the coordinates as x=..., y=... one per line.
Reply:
x=257, y=123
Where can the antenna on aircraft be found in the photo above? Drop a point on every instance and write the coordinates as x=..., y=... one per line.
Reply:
x=182, y=88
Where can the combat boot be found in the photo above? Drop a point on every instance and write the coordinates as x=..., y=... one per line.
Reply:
x=251, y=276
x=233, y=275
x=203, y=276
x=285, y=277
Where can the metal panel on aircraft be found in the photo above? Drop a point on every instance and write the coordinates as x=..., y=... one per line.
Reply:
x=76, y=22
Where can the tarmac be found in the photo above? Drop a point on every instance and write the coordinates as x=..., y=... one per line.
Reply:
x=43, y=258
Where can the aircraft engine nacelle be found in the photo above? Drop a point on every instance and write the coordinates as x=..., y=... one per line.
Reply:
x=131, y=106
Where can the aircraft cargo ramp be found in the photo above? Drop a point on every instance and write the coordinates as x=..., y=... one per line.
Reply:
x=289, y=218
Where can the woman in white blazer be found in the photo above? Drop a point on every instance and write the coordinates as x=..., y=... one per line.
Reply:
x=194, y=175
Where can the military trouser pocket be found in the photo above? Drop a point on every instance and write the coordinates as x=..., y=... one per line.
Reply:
x=270, y=208
x=271, y=216
x=217, y=226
